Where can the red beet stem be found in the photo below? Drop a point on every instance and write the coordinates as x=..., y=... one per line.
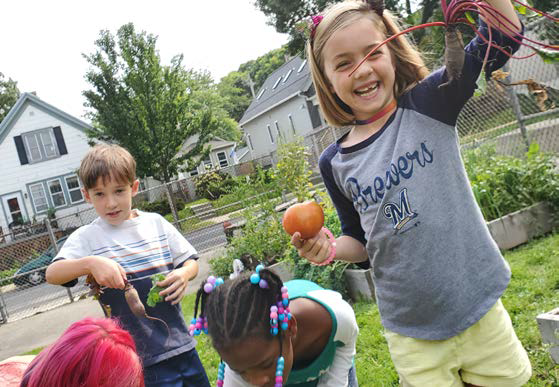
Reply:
x=432, y=24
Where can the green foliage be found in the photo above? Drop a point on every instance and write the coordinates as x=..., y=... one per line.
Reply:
x=153, y=295
x=263, y=239
x=9, y=93
x=505, y=184
x=5, y=275
x=162, y=206
x=148, y=107
x=213, y=184
x=293, y=169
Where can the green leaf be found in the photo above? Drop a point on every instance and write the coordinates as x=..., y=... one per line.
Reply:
x=548, y=56
x=481, y=85
x=153, y=295
x=470, y=18
x=520, y=9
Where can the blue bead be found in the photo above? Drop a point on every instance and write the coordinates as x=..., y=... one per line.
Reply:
x=285, y=302
x=219, y=281
x=254, y=279
x=259, y=267
x=281, y=361
x=289, y=316
x=274, y=331
x=206, y=331
x=280, y=317
x=196, y=332
x=193, y=321
x=284, y=326
x=279, y=372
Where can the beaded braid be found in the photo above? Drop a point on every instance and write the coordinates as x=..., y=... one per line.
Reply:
x=230, y=321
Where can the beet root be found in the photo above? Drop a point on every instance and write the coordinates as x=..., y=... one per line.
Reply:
x=136, y=306
x=454, y=54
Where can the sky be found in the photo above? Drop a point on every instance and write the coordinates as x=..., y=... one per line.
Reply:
x=41, y=42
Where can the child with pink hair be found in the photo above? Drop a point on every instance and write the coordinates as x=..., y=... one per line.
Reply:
x=93, y=352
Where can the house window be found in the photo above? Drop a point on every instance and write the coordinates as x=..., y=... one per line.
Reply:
x=56, y=193
x=40, y=145
x=277, y=83
x=277, y=129
x=15, y=211
x=250, y=142
x=39, y=197
x=194, y=172
x=222, y=157
x=292, y=123
x=302, y=65
x=287, y=75
x=270, y=134
x=74, y=189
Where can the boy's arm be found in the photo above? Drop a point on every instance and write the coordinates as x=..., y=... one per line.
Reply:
x=105, y=271
x=176, y=282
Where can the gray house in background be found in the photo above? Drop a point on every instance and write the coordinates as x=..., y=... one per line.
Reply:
x=285, y=106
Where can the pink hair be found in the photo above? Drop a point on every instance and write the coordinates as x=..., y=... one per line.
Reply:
x=93, y=352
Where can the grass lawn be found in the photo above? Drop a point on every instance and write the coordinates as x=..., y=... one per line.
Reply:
x=534, y=289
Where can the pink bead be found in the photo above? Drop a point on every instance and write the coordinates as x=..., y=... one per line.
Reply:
x=198, y=325
x=279, y=379
x=285, y=295
x=220, y=383
x=273, y=315
x=280, y=310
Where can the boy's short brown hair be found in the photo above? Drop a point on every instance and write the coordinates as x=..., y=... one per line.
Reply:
x=107, y=162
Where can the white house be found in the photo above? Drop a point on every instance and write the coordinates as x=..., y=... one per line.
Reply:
x=222, y=155
x=285, y=106
x=41, y=148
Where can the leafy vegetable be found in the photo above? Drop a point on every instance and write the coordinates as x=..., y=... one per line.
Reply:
x=153, y=295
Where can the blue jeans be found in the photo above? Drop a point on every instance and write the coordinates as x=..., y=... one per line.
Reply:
x=184, y=370
x=352, y=378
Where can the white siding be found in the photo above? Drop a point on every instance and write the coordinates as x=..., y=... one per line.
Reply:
x=257, y=128
x=15, y=176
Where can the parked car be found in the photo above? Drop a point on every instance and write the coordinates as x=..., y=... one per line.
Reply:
x=33, y=272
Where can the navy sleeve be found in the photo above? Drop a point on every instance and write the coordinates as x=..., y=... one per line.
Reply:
x=445, y=103
x=349, y=218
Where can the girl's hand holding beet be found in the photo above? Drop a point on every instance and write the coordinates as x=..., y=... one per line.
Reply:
x=107, y=272
x=316, y=249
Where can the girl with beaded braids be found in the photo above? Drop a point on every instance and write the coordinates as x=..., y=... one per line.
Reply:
x=403, y=197
x=273, y=334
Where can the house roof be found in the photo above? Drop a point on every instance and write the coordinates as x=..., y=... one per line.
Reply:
x=215, y=143
x=17, y=109
x=283, y=84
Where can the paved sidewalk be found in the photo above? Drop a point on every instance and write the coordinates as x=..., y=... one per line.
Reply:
x=40, y=330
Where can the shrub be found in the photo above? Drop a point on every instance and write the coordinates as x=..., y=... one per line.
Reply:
x=505, y=184
x=213, y=184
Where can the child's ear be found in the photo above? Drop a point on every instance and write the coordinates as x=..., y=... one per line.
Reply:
x=135, y=187
x=292, y=327
x=86, y=195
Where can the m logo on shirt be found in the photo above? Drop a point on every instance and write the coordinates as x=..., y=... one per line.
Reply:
x=399, y=214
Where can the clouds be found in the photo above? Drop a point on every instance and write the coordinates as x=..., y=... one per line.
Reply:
x=42, y=42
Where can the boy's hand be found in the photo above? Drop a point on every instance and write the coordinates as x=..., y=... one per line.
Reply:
x=315, y=249
x=175, y=284
x=107, y=272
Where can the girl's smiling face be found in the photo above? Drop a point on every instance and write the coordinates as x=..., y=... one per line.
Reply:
x=371, y=87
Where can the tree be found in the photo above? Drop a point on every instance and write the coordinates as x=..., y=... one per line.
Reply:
x=147, y=107
x=9, y=93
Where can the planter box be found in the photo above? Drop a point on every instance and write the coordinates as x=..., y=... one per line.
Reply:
x=283, y=269
x=360, y=284
x=549, y=329
x=521, y=226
